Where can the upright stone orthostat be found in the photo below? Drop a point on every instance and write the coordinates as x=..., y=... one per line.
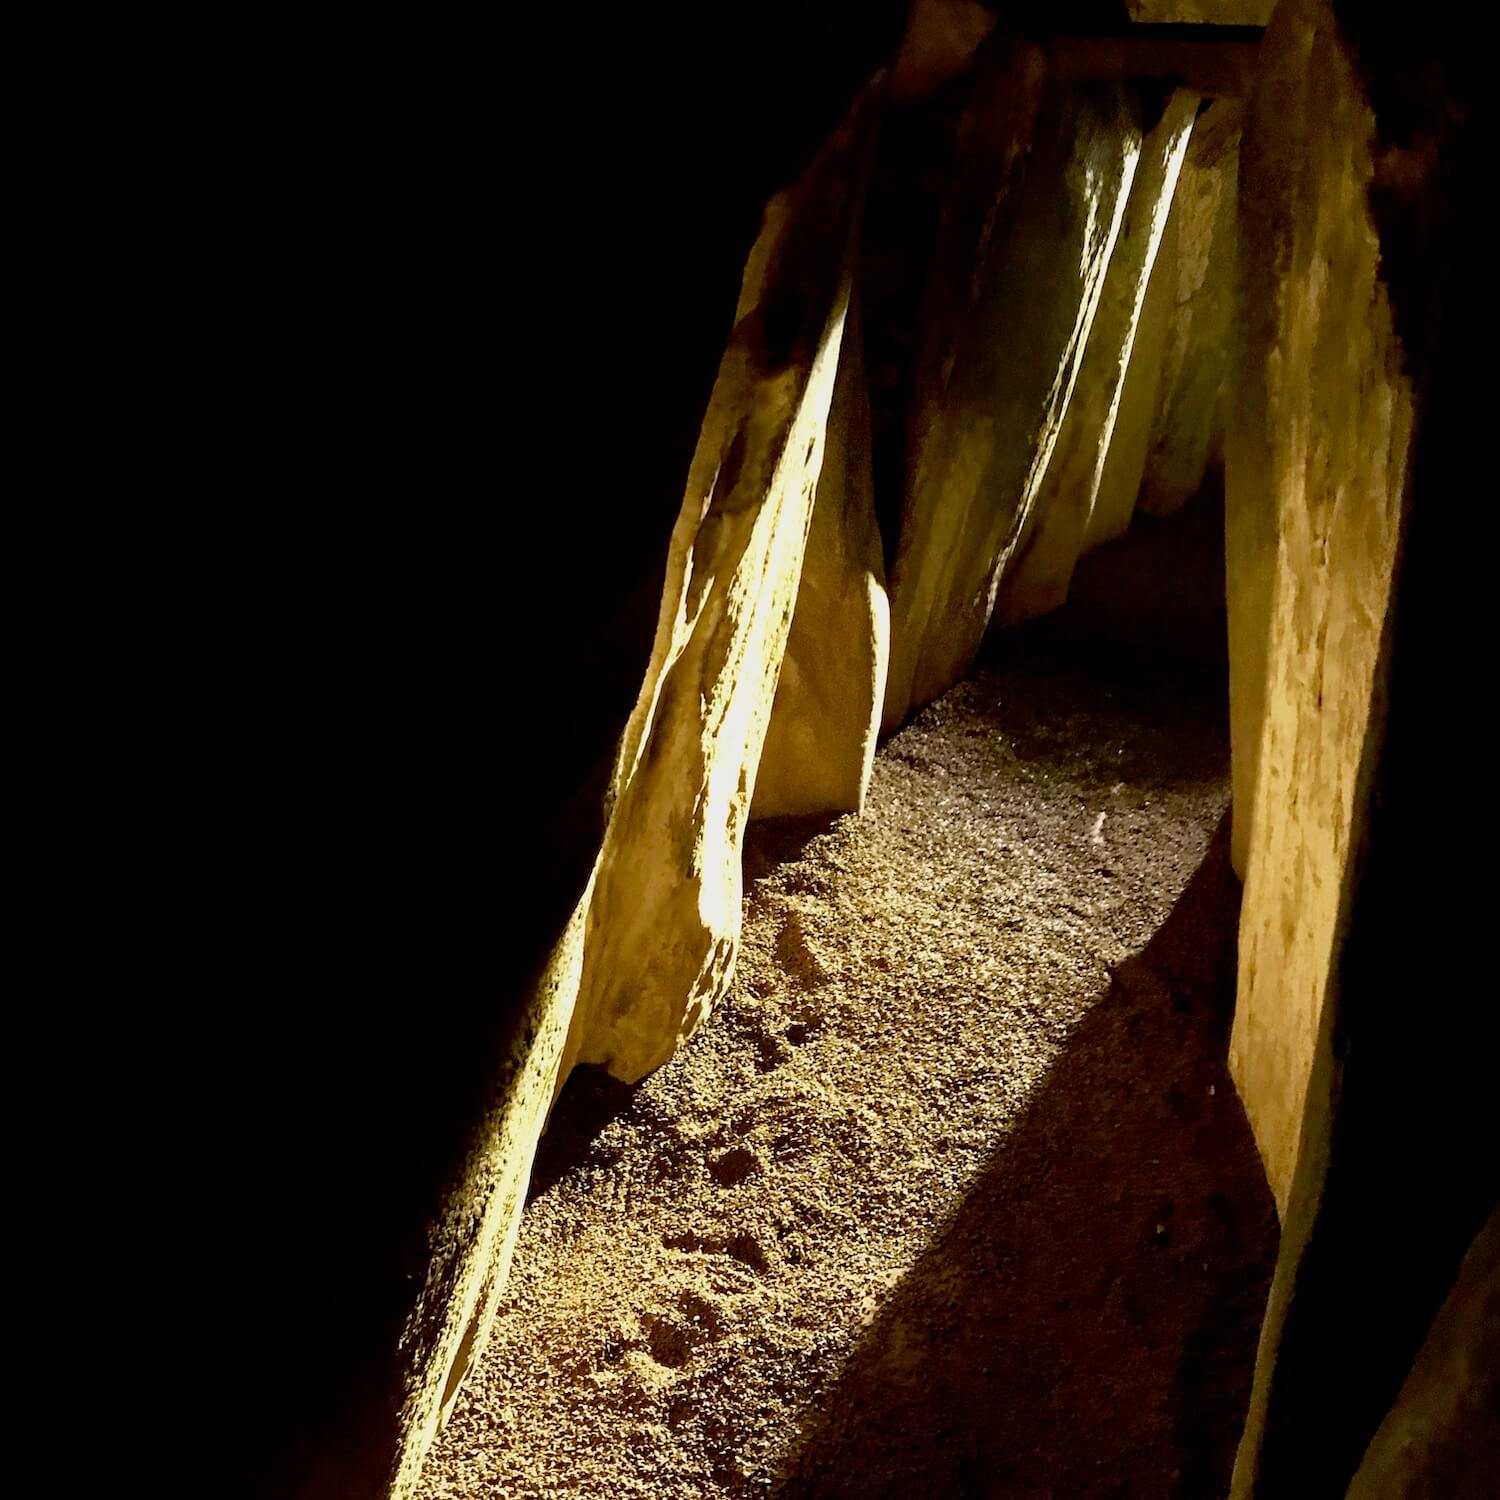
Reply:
x=1187, y=429
x=1317, y=453
x=820, y=745
x=1050, y=167
x=1041, y=568
x=473, y=1243
x=1365, y=191
x=663, y=926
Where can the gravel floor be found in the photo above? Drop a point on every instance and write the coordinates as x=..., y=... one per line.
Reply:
x=953, y=1196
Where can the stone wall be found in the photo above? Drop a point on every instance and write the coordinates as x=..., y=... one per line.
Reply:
x=1187, y=429
x=820, y=744
x=650, y=944
x=1062, y=516
x=1367, y=185
x=1037, y=196
x=663, y=925
x=1317, y=454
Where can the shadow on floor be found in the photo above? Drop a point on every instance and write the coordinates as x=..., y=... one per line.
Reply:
x=1086, y=1326
x=590, y=1098
x=773, y=842
x=1145, y=613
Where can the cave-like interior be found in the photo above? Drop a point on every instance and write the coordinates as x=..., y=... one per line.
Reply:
x=823, y=844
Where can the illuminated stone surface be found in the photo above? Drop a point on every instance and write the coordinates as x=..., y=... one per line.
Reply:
x=1119, y=484
x=1188, y=425
x=730, y=584
x=663, y=928
x=1040, y=570
x=473, y=1245
x=1043, y=177
x=1317, y=452
x=820, y=745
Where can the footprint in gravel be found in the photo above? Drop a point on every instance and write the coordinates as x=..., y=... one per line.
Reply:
x=794, y=954
x=703, y=1314
x=770, y=1054
x=734, y=1167
x=667, y=1341
x=742, y=1246
x=800, y=1033
x=745, y=1248
x=672, y=1337
x=806, y=880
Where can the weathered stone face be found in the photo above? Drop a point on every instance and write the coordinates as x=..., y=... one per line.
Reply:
x=820, y=745
x=1435, y=1438
x=663, y=925
x=1041, y=567
x=1119, y=486
x=940, y=42
x=472, y=1247
x=460, y=1051
x=1317, y=451
x=1202, y=12
x=1049, y=168
x=1186, y=431
x=1356, y=417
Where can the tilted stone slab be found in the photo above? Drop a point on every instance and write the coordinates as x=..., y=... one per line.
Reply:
x=472, y=1244
x=663, y=927
x=1054, y=168
x=820, y=745
x=1041, y=569
x=1187, y=430
x=1317, y=451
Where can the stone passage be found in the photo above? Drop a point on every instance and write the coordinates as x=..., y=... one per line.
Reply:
x=956, y=1183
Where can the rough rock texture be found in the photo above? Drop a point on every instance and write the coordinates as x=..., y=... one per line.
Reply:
x=910, y=185
x=1052, y=538
x=1202, y=12
x=1119, y=483
x=820, y=744
x=1317, y=459
x=663, y=925
x=472, y=1249
x=1033, y=214
x=1441, y=1438
x=941, y=39
x=1187, y=427
x=1396, y=1171
x=952, y=1196
x=1251, y=533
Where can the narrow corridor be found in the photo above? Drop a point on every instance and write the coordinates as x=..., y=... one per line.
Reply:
x=953, y=1197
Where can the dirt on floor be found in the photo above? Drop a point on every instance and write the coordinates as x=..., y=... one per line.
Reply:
x=953, y=1196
